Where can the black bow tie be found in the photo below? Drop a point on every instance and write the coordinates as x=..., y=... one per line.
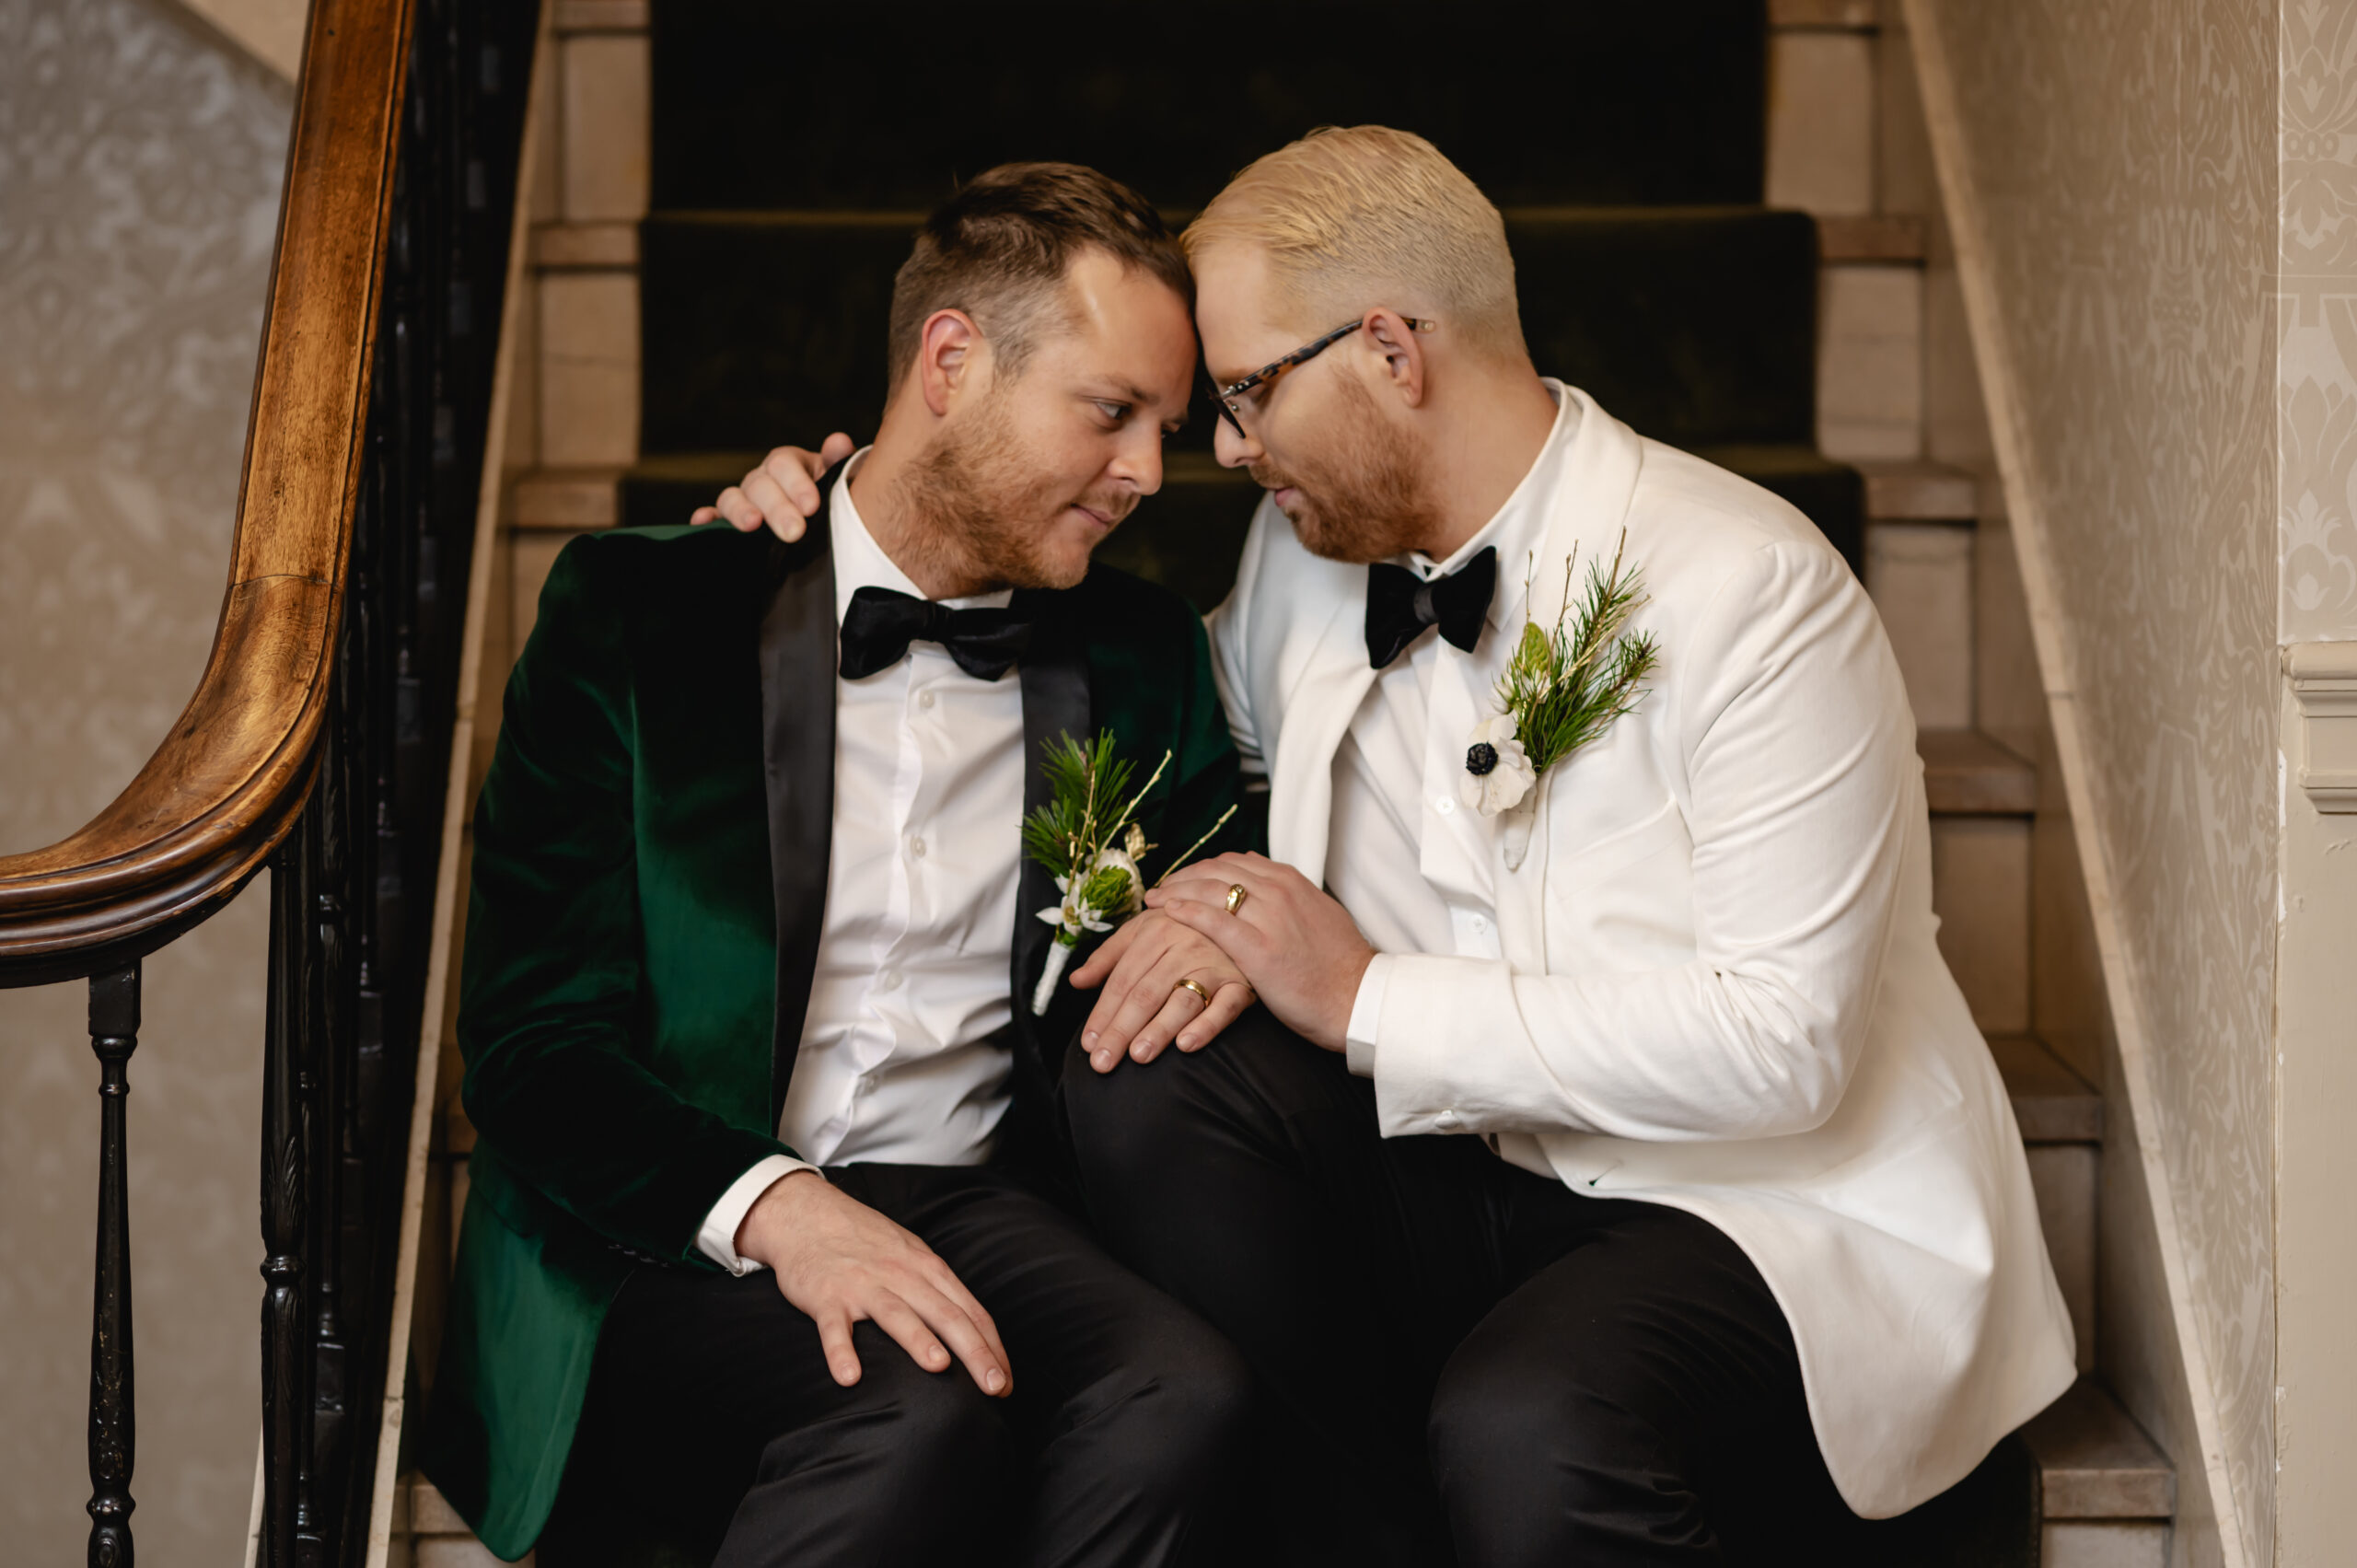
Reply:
x=1400, y=605
x=882, y=623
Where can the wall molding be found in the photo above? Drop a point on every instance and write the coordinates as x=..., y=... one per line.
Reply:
x=2009, y=429
x=2324, y=687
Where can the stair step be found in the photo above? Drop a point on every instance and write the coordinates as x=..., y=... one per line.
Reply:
x=755, y=108
x=1695, y=325
x=1967, y=774
x=2095, y=1461
x=1187, y=537
x=2051, y=1103
x=2095, y=1464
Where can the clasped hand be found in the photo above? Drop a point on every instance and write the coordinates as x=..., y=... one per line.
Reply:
x=1288, y=941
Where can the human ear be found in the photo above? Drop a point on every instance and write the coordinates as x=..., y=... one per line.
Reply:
x=947, y=347
x=1403, y=356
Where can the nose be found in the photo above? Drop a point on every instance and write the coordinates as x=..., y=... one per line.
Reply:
x=1233, y=448
x=1138, y=459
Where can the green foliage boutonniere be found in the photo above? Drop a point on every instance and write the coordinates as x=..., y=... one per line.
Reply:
x=1562, y=688
x=1091, y=843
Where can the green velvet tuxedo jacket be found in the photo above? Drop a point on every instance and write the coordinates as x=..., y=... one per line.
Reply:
x=650, y=875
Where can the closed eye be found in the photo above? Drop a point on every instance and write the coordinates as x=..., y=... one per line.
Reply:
x=1114, y=412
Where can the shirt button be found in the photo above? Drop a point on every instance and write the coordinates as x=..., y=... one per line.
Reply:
x=1479, y=925
x=1447, y=1121
x=1445, y=804
x=925, y=700
x=916, y=847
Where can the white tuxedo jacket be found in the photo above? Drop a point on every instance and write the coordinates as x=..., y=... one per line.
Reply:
x=1719, y=990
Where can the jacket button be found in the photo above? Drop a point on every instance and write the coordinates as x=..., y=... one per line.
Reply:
x=1447, y=1121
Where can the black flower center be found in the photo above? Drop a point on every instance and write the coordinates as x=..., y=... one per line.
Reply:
x=1480, y=759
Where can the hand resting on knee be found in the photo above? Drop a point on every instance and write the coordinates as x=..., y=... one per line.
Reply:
x=837, y=1261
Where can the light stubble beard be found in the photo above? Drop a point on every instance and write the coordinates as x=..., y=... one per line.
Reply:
x=1367, y=500
x=978, y=508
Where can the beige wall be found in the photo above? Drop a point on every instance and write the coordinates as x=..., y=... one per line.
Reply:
x=140, y=165
x=2119, y=158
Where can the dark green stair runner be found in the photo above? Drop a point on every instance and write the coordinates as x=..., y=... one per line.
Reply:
x=1587, y=102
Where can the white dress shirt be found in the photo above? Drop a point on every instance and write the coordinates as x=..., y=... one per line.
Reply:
x=1411, y=861
x=897, y=1065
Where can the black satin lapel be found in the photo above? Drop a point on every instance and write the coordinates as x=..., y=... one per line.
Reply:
x=1054, y=671
x=797, y=654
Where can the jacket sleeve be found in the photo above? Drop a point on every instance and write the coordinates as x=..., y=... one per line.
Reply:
x=1800, y=758
x=1206, y=780
x=550, y=997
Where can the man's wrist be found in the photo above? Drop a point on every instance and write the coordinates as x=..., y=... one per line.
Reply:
x=1349, y=979
x=717, y=1238
x=757, y=1228
x=1366, y=1016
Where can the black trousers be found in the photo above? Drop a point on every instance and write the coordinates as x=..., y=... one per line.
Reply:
x=1458, y=1358
x=711, y=1416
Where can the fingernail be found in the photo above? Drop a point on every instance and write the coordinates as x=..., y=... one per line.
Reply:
x=1102, y=1060
x=1138, y=1051
x=1186, y=1041
x=994, y=1380
x=1089, y=1037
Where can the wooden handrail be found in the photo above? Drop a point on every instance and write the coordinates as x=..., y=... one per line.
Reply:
x=230, y=778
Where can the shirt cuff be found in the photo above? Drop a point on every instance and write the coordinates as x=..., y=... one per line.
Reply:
x=717, y=1240
x=1366, y=1016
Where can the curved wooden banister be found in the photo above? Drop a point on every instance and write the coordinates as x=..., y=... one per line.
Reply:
x=230, y=778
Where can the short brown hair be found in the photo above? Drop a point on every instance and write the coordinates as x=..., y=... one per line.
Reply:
x=1367, y=215
x=999, y=249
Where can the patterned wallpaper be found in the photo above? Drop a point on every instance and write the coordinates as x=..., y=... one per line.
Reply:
x=2125, y=155
x=140, y=164
x=2316, y=318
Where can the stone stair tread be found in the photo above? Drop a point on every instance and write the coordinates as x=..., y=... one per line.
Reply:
x=1923, y=491
x=2095, y=1461
x=2051, y=1103
x=570, y=500
x=1967, y=774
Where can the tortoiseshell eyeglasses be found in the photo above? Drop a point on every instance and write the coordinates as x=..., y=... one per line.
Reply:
x=1230, y=398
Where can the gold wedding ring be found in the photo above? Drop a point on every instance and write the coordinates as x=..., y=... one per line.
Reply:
x=1190, y=985
x=1235, y=896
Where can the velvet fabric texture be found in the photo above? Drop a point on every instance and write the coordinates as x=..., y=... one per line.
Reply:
x=627, y=1014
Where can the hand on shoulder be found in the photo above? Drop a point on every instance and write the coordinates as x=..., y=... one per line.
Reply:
x=781, y=492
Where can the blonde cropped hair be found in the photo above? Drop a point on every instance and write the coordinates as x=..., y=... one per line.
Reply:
x=1353, y=217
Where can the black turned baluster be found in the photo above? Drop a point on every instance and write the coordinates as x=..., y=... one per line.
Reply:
x=114, y=1035
x=284, y=1354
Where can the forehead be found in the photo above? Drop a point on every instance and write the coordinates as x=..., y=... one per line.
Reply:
x=1122, y=322
x=1237, y=309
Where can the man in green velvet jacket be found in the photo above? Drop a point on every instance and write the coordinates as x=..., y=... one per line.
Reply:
x=755, y=1256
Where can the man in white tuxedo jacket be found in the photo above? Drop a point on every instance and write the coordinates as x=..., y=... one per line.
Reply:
x=1649, y=1179
x=1619, y=1181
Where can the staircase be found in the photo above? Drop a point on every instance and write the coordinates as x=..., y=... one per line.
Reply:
x=716, y=241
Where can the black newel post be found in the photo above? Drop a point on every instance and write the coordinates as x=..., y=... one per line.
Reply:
x=114, y=1034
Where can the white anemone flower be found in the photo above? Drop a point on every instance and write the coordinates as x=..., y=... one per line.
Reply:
x=1497, y=771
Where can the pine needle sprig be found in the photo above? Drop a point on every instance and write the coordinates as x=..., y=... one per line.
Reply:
x=1565, y=684
x=1065, y=833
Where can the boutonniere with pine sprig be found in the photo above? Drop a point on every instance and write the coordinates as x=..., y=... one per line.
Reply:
x=1562, y=688
x=1091, y=843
